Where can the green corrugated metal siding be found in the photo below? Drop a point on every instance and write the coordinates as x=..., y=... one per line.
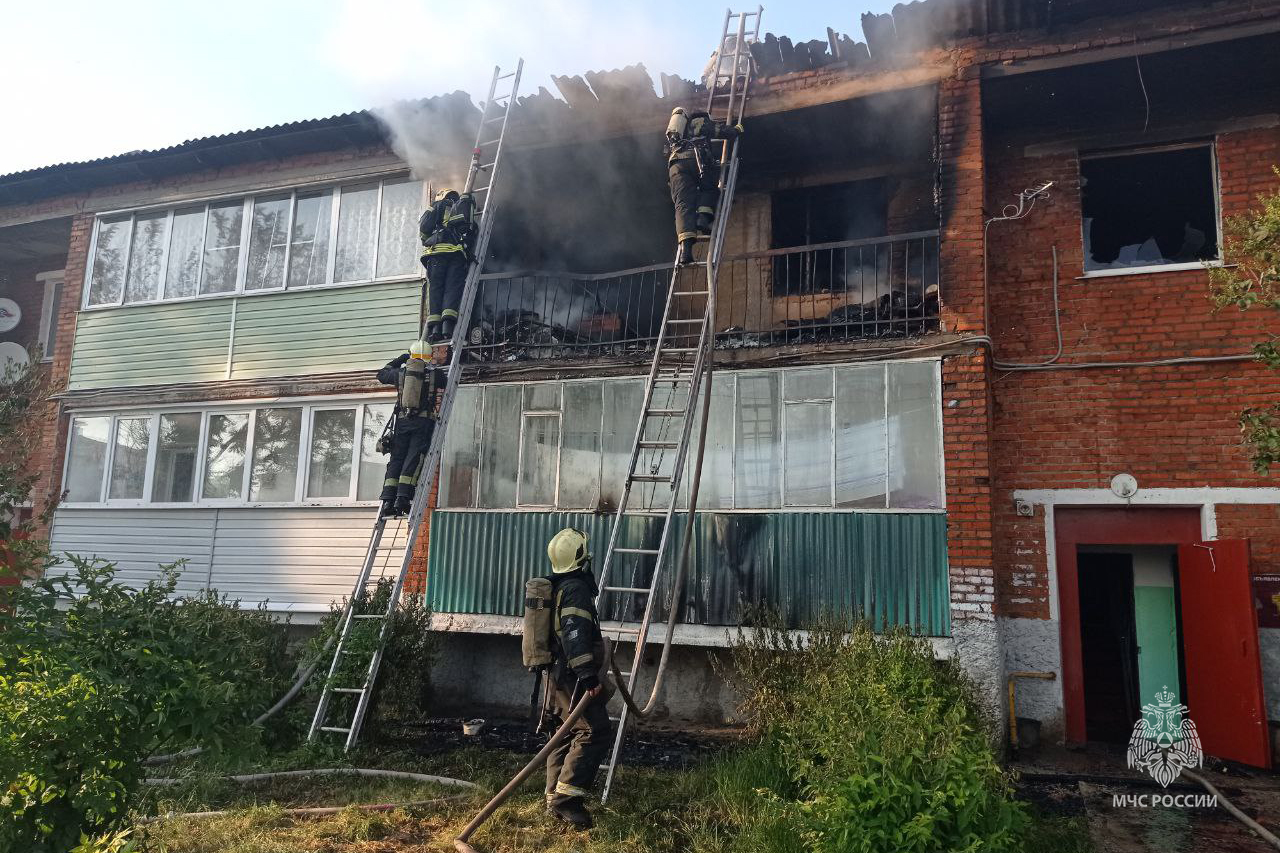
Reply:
x=324, y=331
x=891, y=567
x=151, y=344
x=282, y=334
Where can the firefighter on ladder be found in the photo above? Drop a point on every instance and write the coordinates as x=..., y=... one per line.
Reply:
x=580, y=657
x=407, y=436
x=694, y=173
x=447, y=231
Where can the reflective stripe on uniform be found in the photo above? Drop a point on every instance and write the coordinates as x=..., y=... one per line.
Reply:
x=579, y=660
x=570, y=790
x=408, y=481
x=441, y=248
x=577, y=611
x=449, y=312
x=390, y=481
x=687, y=235
x=706, y=210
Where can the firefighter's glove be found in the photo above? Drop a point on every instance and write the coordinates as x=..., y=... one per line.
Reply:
x=738, y=127
x=401, y=359
x=673, y=137
x=589, y=683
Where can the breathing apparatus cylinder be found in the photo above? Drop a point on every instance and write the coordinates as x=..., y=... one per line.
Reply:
x=535, y=645
x=415, y=373
x=676, y=127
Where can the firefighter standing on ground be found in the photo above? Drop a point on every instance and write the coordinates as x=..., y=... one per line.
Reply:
x=447, y=232
x=580, y=659
x=694, y=170
x=408, y=435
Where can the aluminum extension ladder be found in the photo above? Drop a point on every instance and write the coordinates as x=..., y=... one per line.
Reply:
x=489, y=144
x=667, y=414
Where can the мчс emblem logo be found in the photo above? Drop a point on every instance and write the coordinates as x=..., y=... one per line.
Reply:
x=1164, y=742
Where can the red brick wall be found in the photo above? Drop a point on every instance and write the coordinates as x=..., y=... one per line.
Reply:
x=1170, y=426
x=1260, y=525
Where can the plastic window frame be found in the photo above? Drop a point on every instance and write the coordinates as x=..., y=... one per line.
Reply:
x=129, y=217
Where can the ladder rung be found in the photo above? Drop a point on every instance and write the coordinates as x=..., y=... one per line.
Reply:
x=679, y=349
x=335, y=729
x=646, y=513
x=495, y=118
x=691, y=320
x=651, y=478
x=346, y=689
x=651, y=551
x=673, y=380
x=688, y=293
x=665, y=445
x=633, y=631
x=491, y=142
x=487, y=166
x=482, y=189
x=512, y=74
x=636, y=590
x=662, y=413
x=368, y=616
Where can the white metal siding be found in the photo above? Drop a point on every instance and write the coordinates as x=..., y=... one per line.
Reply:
x=295, y=559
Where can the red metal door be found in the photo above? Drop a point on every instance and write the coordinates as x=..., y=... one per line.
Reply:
x=1220, y=651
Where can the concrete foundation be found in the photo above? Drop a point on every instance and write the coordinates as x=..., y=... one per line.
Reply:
x=977, y=650
x=1033, y=645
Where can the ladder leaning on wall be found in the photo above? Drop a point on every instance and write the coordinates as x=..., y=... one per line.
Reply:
x=359, y=643
x=676, y=376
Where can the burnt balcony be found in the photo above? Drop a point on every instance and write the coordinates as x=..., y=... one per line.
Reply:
x=857, y=290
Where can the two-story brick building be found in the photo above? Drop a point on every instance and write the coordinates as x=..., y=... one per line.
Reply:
x=922, y=395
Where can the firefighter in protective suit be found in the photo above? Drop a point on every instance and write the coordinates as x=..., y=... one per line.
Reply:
x=408, y=434
x=447, y=232
x=580, y=658
x=694, y=170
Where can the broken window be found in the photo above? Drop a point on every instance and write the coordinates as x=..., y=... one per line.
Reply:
x=1149, y=208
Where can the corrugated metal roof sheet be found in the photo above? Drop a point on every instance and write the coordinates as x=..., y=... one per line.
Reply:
x=891, y=567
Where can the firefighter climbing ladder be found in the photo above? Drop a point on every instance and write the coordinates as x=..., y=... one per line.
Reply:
x=485, y=163
x=666, y=426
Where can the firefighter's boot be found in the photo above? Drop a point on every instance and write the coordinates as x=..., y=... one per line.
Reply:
x=704, y=223
x=685, y=257
x=446, y=328
x=574, y=813
x=433, y=331
x=404, y=503
x=389, y=509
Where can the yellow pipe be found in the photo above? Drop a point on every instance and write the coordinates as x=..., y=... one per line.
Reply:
x=1013, y=701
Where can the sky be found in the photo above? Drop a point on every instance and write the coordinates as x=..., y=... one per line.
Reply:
x=89, y=79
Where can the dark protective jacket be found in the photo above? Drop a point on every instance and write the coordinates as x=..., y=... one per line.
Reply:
x=448, y=226
x=579, y=645
x=699, y=132
x=392, y=373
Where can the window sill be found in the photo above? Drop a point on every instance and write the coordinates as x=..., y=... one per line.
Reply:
x=1151, y=270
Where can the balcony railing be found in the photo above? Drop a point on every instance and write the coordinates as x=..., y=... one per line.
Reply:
x=830, y=292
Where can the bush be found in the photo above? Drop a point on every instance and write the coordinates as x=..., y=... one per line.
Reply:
x=403, y=689
x=87, y=692
x=883, y=744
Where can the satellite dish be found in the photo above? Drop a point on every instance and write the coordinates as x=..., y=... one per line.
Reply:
x=1124, y=485
x=10, y=315
x=13, y=357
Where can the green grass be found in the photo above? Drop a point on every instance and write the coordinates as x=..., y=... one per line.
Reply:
x=715, y=806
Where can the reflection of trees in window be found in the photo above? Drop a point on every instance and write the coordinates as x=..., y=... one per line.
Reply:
x=373, y=463
x=129, y=460
x=309, y=250
x=275, y=454
x=398, y=227
x=110, y=253
x=224, y=468
x=268, y=231
x=183, y=275
x=222, y=247
x=150, y=233
x=332, y=435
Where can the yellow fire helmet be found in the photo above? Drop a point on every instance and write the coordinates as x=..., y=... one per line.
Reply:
x=568, y=551
x=447, y=194
x=419, y=349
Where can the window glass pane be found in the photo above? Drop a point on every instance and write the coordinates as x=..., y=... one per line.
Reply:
x=1151, y=208
x=373, y=465
x=807, y=468
x=51, y=322
x=149, y=235
x=807, y=384
x=183, y=275
x=460, y=459
x=177, y=445
x=580, y=449
x=274, y=475
x=914, y=459
x=758, y=463
x=224, y=456
x=860, y=450
x=716, y=489
x=332, y=437
x=500, y=444
x=622, y=400
x=542, y=397
x=357, y=210
x=309, y=249
x=86, y=458
x=540, y=443
x=222, y=247
x=398, y=228
x=111, y=252
x=267, y=238
x=129, y=461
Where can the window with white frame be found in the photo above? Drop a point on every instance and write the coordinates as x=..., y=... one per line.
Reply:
x=269, y=242
x=853, y=437
x=48, y=335
x=304, y=453
x=1150, y=207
